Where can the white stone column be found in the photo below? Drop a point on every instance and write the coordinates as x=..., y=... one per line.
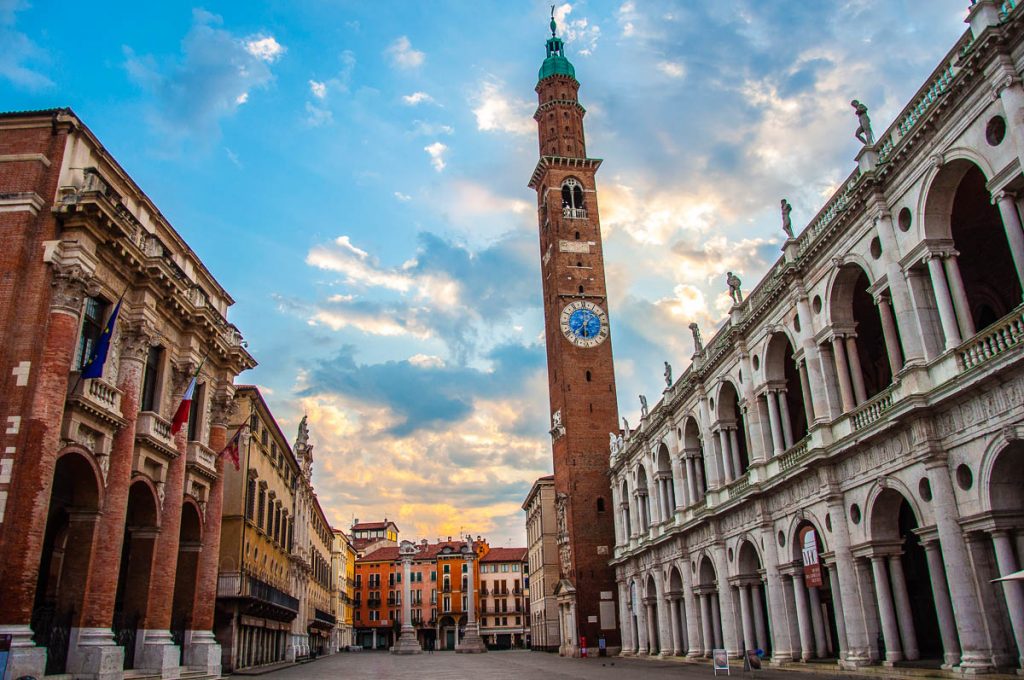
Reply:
x=691, y=476
x=708, y=641
x=892, y=342
x=947, y=315
x=959, y=294
x=749, y=637
x=723, y=442
x=943, y=607
x=1014, y=232
x=734, y=448
x=904, y=614
x=778, y=609
x=775, y=421
x=817, y=622
x=787, y=424
x=677, y=641
x=1012, y=590
x=868, y=609
x=728, y=611
x=702, y=483
x=856, y=371
x=641, y=626
x=805, y=391
x=976, y=656
x=803, y=617
x=716, y=620
x=679, y=490
x=690, y=607
x=839, y=613
x=760, y=630
x=843, y=373
x=408, y=642
x=890, y=629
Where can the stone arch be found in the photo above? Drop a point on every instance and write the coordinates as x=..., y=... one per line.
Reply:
x=187, y=571
x=665, y=482
x=852, y=310
x=643, y=499
x=706, y=573
x=142, y=524
x=781, y=373
x=693, y=446
x=796, y=523
x=957, y=205
x=999, y=483
x=675, y=579
x=893, y=518
x=627, y=521
x=883, y=504
x=730, y=414
x=748, y=558
x=73, y=511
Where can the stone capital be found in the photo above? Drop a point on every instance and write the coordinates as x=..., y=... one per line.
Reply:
x=70, y=286
x=135, y=341
x=222, y=408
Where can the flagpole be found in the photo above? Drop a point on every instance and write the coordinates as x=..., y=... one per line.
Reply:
x=81, y=369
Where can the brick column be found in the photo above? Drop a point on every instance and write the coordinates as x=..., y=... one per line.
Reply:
x=202, y=649
x=93, y=650
x=159, y=653
x=32, y=475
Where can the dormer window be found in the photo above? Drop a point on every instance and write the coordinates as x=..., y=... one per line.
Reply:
x=572, y=199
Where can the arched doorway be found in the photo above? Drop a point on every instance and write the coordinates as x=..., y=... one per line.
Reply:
x=666, y=485
x=643, y=501
x=753, y=604
x=706, y=593
x=189, y=545
x=1006, y=502
x=784, y=398
x=732, y=432
x=72, y=518
x=677, y=612
x=815, y=608
x=141, y=527
x=909, y=582
x=653, y=612
x=693, y=456
x=861, y=355
x=960, y=207
x=447, y=633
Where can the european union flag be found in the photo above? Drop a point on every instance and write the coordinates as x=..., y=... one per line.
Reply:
x=93, y=368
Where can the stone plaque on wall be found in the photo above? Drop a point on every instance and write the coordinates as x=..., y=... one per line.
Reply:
x=574, y=246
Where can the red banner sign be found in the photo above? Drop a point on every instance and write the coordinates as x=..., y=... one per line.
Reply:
x=812, y=566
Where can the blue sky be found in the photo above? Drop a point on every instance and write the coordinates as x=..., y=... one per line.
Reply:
x=355, y=175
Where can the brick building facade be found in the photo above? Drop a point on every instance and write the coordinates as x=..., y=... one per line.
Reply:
x=109, y=524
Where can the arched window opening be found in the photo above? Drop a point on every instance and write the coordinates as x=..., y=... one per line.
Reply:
x=572, y=199
x=600, y=504
x=588, y=376
x=732, y=433
x=784, y=405
x=581, y=290
x=863, y=361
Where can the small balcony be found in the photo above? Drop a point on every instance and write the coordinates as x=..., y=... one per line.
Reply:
x=200, y=456
x=574, y=213
x=98, y=399
x=155, y=430
x=373, y=603
x=246, y=586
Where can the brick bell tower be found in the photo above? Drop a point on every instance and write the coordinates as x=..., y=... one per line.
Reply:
x=581, y=377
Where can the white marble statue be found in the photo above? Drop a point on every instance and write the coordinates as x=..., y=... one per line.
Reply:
x=734, y=287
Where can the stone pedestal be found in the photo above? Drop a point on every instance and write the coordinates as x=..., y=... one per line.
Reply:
x=160, y=654
x=92, y=652
x=202, y=652
x=407, y=643
x=867, y=159
x=471, y=642
x=24, y=658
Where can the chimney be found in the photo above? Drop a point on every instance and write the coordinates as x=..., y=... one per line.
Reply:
x=355, y=521
x=449, y=539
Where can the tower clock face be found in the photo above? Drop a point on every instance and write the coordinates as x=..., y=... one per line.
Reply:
x=584, y=323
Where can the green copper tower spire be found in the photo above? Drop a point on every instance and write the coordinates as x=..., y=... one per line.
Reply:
x=555, y=64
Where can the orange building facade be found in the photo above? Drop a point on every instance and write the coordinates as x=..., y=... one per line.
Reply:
x=439, y=589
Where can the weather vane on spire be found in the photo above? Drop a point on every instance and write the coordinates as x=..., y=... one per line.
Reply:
x=553, y=24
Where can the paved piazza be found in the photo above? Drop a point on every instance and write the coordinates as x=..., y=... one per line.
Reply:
x=511, y=665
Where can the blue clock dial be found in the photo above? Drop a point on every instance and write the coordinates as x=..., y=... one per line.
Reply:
x=584, y=323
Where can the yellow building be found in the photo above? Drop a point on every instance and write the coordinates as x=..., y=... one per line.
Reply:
x=343, y=568
x=256, y=601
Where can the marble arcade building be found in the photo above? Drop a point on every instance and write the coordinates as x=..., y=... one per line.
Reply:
x=109, y=523
x=839, y=474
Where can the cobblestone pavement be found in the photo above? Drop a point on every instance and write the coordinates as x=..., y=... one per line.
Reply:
x=509, y=665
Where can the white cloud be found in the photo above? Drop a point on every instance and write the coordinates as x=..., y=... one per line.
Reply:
x=431, y=129
x=417, y=98
x=673, y=69
x=579, y=31
x=404, y=198
x=317, y=116
x=436, y=152
x=318, y=89
x=497, y=111
x=426, y=360
x=357, y=266
x=265, y=48
x=403, y=55
x=242, y=98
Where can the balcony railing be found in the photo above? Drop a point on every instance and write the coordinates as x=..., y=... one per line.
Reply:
x=152, y=426
x=321, y=615
x=373, y=602
x=242, y=585
x=98, y=397
x=200, y=456
x=1004, y=334
x=574, y=213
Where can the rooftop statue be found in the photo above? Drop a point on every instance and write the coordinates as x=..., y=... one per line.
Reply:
x=787, y=224
x=734, y=287
x=698, y=344
x=863, y=132
x=668, y=375
x=643, y=406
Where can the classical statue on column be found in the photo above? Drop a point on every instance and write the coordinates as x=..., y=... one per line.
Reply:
x=407, y=642
x=471, y=642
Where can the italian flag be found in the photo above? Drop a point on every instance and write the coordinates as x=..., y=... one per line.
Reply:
x=181, y=415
